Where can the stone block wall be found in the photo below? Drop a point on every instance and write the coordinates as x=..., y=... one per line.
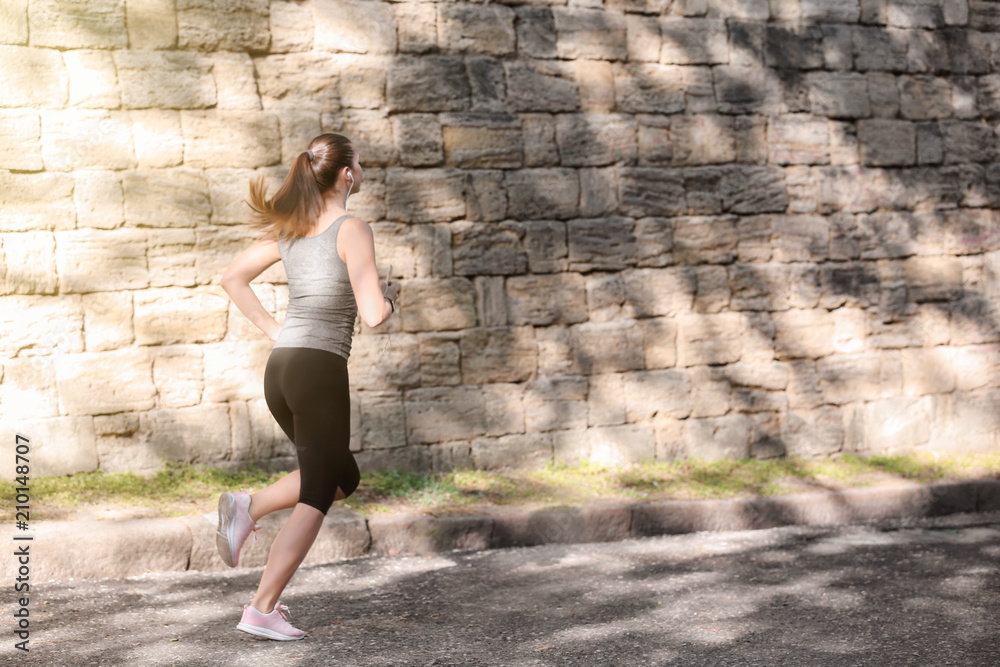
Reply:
x=624, y=230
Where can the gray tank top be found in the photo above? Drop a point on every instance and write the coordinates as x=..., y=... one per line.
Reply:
x=321, y=306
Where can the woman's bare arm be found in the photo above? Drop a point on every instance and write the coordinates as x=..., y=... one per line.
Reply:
x=356, y=245
x=236, y=281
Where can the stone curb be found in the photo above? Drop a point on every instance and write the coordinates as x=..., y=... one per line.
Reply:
x=123, y=548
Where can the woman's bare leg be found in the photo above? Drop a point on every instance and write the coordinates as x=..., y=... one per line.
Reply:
x=289, y=548
x=281, y=495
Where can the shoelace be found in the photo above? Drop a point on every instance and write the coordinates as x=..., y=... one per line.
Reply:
x=281, y=609
x=256, y=527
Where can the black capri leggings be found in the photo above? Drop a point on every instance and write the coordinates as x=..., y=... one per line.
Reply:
x=307, y=392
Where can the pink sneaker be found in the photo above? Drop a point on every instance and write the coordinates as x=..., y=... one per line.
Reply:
x=235, y=525
x=272, y=626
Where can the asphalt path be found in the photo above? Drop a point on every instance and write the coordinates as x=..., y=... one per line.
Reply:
x=917, y=592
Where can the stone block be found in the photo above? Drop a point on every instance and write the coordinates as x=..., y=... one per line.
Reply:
x=498, y=354
x=165, y=80
x=838, y=95
x=642, y=38
x=595, y=79
x=429, y=83
x=546, y=299
x=439, y=304
x=84, y=388
x=715, y=438
x=536, y=32
x=746, y=90
x=488, y=84
x=20, y=195
x=928, y=51
x=660, y=392
x=33, y=77
x=698, y=240
x=157, y=138
x=556, y=403
x=504, y=408
x=708, y=339
x=236, y=81
x=178, y=374
x=382, y=420
x=701, y=140
x=887, y=142
x=481, y=29
x=165, y=316
x=300, y=81
x=602, y=243
x=152, y=24
x=99, y=200
x=928, y=371
x=78, y=24
x=414, y=458
x=451, y=456
x=760, y=287
x=966, y=141
x=419, y=139
x=925, y=97
x=845, y=378
x=801, y=238
x=29, y=389
x=605, y=401
x=791, y=46
x=20, y=135
x=589, y=34
x=491, y=303
x=440, y=414
x=482, y=140
x=542, y=85
x=40, y=324
x=14, y=22
x=545, y=244
x=655, y=145
x=293, y=27
x=427, y=195
x=93, y=81
x=607, y=347
x=487, y=249
x=798, y=139
x=877, y=48
x=486, y=195
x=813, y=433
x=223, y=25
x=655, y=241
x=605, y=296
x=377, y=365
x=659, y=342
x=645, y=191
x=354, y=26
x=196, y=434
x=120, y=253
x=693, y=41
x=230, y=139
x=426, y=535
x=30, y=263
x=538, y=131
x=439, y=360
x=830, y=11
x=933, y=279
x=659, y=292
x=166, y=198
x=803, y=333
x=416, y=27
x=107, y=320
x=85, y=138
x=543, y=193
x=529, y=451
x=711, y=390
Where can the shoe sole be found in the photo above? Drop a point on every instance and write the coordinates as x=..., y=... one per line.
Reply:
x=267, y=634
x=227, y=508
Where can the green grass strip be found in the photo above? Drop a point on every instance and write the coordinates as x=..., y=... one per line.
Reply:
x=180, y=489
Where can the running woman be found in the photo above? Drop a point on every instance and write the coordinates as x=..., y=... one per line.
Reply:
x=329, y=257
